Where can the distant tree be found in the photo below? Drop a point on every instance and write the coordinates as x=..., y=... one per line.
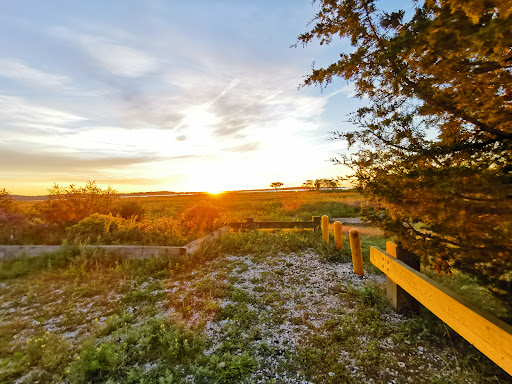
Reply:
x=69, y=205
x=320, y=183
x=330, y=183
x=434, y=142
x=276, y=185
x=309, y=184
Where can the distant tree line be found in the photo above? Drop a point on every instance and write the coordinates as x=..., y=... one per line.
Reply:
x=321, y=183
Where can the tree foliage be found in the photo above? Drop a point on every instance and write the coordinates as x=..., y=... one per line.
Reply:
x=69, y=205
x=7, y=204
x=320, y=183
x=276, y=185
x=434, y=142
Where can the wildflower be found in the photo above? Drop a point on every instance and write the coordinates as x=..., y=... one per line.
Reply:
x=96, y=319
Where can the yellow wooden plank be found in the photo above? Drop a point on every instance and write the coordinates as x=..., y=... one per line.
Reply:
x=357, y=253
x=489, y=334
x=391, y=248
x=338, y=235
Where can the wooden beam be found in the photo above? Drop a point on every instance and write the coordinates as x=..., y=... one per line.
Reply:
x=357, y=253
x=338, y=235
x=275, y=224
x=487, y=333
x=400, y=300
x=325, y=228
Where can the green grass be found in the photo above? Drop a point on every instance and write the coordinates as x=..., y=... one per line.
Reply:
x=164, y=221
x=84, y=316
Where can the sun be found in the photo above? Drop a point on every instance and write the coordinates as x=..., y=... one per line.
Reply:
x=215, y=191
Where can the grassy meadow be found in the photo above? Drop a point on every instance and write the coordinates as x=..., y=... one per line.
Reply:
x=161, y=220
x=253, y=307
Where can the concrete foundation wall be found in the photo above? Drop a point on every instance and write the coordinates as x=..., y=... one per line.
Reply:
x=130, y=251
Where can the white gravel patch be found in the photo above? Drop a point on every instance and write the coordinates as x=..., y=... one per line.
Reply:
x=296, y=287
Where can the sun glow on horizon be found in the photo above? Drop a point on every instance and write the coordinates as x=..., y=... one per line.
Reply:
x=215, y=191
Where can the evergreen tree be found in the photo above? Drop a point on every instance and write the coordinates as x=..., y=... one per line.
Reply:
x=435, y=141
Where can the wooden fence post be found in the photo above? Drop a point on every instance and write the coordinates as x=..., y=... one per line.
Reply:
x=357, y=253
x=338, y=235
x=400, y=300
x=325, y=228
x=250, y=223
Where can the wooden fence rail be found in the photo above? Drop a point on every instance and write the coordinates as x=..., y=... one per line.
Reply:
x=251, y=224
x=490, y=335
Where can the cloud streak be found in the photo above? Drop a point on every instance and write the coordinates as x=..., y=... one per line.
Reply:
x=117, y=58
x=49, y=162
x=21, y=114
x=15, y=69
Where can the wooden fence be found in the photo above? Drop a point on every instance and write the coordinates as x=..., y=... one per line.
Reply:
x=487, y=333
x=251, y=224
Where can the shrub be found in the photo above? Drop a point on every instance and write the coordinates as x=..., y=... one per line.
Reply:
x=69, y=205
x=95, y=228
x=109, y=229
x=202, y=217
x=7, y=204
x=130, y=210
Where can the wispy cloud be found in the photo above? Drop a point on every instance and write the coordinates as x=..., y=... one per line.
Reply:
x=35, y=159
x=119, y=58
x=249, y=147
x=15, y=69
x=21, y=114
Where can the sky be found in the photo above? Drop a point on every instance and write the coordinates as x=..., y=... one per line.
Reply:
x=153, y=95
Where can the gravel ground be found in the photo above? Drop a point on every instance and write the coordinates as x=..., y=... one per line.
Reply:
x=292, y=297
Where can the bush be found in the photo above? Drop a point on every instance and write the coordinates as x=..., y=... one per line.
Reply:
x=109, y=229
x=69, y=205
x=201, y=218
x=130, y=210
x=7, y=204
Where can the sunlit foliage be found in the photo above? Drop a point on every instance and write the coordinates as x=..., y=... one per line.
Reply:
x=434, y=143
x=276, y=185
x=7, y=204
x=71, y=204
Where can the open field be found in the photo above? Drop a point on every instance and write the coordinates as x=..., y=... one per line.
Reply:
x=162, y=220
x=253, y=307
x=236, y=206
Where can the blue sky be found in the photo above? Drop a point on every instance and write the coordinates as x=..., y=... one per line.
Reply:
x=164, y=95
